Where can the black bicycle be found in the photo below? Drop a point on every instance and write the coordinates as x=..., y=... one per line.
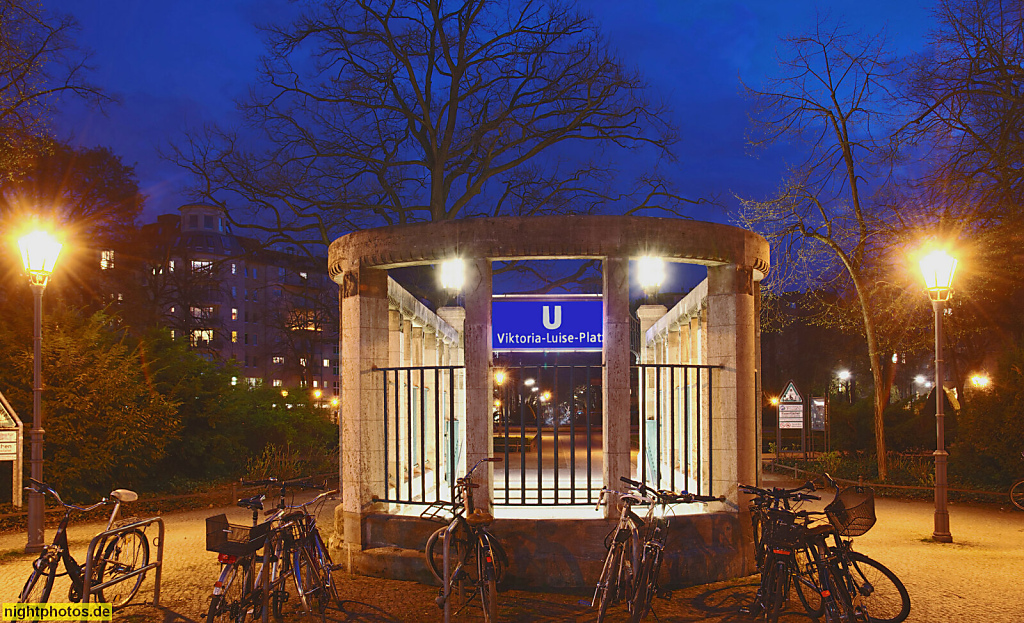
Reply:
x=645, y=585
x=114, y=557
x=476, y=560
x=623, y=557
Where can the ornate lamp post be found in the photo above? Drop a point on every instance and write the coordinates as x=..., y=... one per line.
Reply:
x=39, y=251
x=650, y=274
x=938, y=268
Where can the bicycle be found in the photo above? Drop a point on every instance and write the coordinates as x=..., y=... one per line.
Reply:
x=655, y=539
x=623, y=544
x=476, y=560
x=1017, y=491
x=252, y=584
x=785, y=552
x=114, y=557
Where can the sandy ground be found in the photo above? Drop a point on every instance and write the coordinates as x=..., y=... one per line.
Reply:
x=978, y=577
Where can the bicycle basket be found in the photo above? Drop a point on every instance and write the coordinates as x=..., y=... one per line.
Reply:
x=852, y=513
x=234, y=539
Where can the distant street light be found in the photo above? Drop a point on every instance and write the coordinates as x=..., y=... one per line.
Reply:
x=938, y=268
x=844, y=382
x=39, y=251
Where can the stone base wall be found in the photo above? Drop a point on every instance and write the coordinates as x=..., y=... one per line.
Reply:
x=561, y=554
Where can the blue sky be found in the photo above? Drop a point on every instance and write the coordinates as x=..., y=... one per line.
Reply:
x=180, y=64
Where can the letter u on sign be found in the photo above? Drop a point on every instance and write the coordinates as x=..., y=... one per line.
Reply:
x=548, y=323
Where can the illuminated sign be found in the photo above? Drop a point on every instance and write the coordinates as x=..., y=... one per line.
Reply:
x=539, y=324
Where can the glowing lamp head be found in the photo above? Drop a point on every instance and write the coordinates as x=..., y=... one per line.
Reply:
x=938, y=268
x=499, y=377
x=284, y=393
x=774, y=400
x=335, y=402
x=980, y=381
x=317, y=393
x=453, y=274
x=39, y=251
x=650, y=273
x=844, y=375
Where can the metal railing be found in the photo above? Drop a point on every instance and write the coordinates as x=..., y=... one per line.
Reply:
x=423, y=433
x=675, y=426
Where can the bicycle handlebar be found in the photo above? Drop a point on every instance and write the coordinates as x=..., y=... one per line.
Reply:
x=777, y=493
x=42, y=488
x=671, y=497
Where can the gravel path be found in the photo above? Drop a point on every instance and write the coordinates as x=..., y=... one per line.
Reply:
x=976, y=578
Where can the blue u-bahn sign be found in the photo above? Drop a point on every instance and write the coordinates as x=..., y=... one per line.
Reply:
x=539, y=324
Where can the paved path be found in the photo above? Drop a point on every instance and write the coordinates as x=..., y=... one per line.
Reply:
x=979, y=577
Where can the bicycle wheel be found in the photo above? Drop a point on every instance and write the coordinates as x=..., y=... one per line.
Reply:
x=40, y=582
x=646, y=584
x=1017, y=494
x=607, y=585
x=882, y=594
x=123, y=555
x=776, y=592
x=434, y=549
x=806, y=581
x=489, y=594
x=323, y=558
x=227, y=604
x=308, y=582
x=277, y=569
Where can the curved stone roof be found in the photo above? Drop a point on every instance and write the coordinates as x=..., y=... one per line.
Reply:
x=549, y=237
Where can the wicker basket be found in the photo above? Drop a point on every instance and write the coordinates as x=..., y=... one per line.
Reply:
x=852, y=513
x=234, y=539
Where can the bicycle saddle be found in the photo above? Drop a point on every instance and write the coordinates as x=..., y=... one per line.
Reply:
x=633, y=498
x=254, y=503
x=124, y=495
x=479, y=518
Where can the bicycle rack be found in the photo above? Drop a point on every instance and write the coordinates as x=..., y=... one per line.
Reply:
x=88, y=589
x=447, y=587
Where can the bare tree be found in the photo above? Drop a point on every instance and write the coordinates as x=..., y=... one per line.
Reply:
x=39, y=63
x=384, y=112
x=832, y=101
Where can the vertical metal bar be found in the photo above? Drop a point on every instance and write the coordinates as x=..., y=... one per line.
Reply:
x=642, y=400
x=503, y=395
x=409, y=433
x=657, y=426
x=700, y=436
x=572, y=434
x=437, y=434
x=711, y=449
x=423, y=436
x=554, y=426
x=522, y=435
x=590, y=442
x=672, y=426
x=686, y=425
x=387, y=453
x=451, y=435
x=540, y=448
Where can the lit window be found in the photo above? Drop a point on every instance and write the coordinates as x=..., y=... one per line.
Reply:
x=278, y=359
x=314, y=383
x=234, y=268
x=234, y=313
x=302, y=362
x=202, y=337
x=234, y=337
x=253, y=382
x=327, y=363
x=172, y=334
x=277, y=383
x=202, y=265
x=120, y=296
x=302, y=275
x=106, y=259
x=234, y=380
x=173, y=309
x=170, y=266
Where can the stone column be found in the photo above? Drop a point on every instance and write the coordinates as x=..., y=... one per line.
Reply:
x=455, y=356
x=649, y=353
x=615, y=381
x=431, y=357
x=479, y=379
x=730, y=338
x=364, y=345
x=676, y=408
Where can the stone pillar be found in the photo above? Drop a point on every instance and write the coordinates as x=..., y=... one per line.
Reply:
x=649, y=353
x=758, y=444
x=615, y=381
x=364, y=345
x=730, y=341
x=479, y=379
x=455, y=356
x=431, y=357
x=676, y=408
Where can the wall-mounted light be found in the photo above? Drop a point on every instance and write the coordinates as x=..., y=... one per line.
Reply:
x=453, y=274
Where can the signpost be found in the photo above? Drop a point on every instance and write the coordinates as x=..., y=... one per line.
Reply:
x=11, y=444
x=791, y=416
x=819, y=420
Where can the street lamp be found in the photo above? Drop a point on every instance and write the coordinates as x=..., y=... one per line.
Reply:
x=650, y=273
x=453, y=274
x=844, y=377
x=39, y=251
x=938, y=268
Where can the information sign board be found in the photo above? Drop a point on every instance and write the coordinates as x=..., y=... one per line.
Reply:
x=791, y=415
x=540, y=324
x=818, y=414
